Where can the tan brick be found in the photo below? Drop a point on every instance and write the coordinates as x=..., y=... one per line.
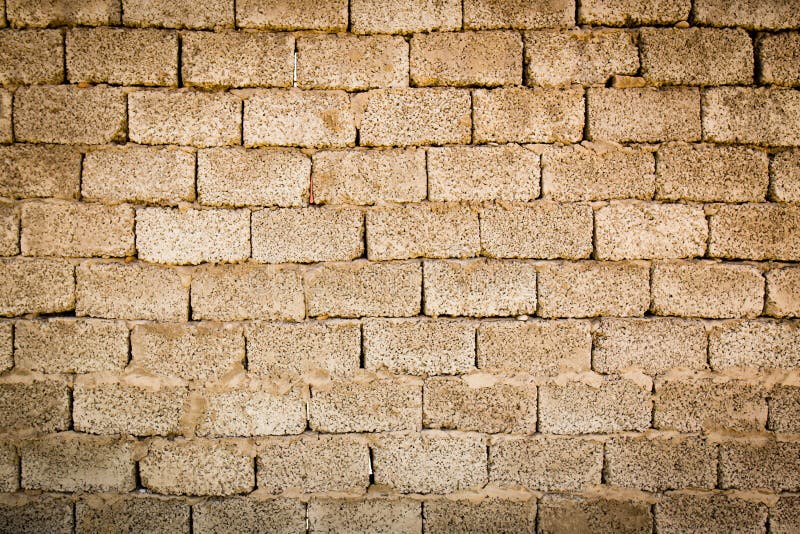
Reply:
x=756, y=232
x=203, y=14
x=419, y=347
x=185, y=118
x=564, y=514
x=542, y=230
x=579, y=56
x=705, y=289
x=36, y=286
x=43, y=13
x=313, y=463
x=518, y=114
x=253, y=411
x=132, y=291
x=757, y=116
x=778, y=56
x=596, y=171
x=62, y=228
x=6, y=126
x=633, y=12
x=372, y=514
x=352, y=63
x=783, y=292
x=247, y=291
x=546, y=463
x=385, y=16
x=192, y=236
x=39, y=513
x=38, y=405
x=333, y=347
x=28, y=171
x=707, y=173
x=307, y=235
x=361, y=289
x=591, y=289
x=9, y=229
x=237, y=59
x=696, y=56
x=202, y=351
x=768, y=464
x=69, y=114
x=240, y=514
x=785, y=171
x=644, y=115
x=153, y=175
x=325, y=15
x=697, y=512
x=784, y=409
x=377, y=406
x=9, y=468
x=123, y=57
x=31, y=57
x=755, y=14
x=77, y=462
x=518, y=14
x=784, y=517
x=764, y=344
x=137, y=513
x=6, y=346
x=430, y=462
x=620, y=344
x=492, y=514
x=66, y=345
x=119, y=408
x=416, y=116
x=703, y=405
x=480, y=287
x=197, y=467
x=482, y=173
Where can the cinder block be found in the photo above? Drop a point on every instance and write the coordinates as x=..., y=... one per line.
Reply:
x=259, y=410
x=785, y=171
x=31, y=171
x=324, y=15
x=35, y=404
x=633, y=12
x=43, y=13
x=755, y=232
x=376, y=406
x=751, y=14
x=385, y=16
x=139, y=513
x=491, y=514
x=564, y=514
x=30, y=57
x=9, y=468
x=784, y=409
x=783, y=292
x=6, y=126
x=784, y=517
x=777, y=56
x=708, y=512
x=241, y=514
x=6, y=345
x=9, y=229
x=200, y=15
x=40, y=513
x=372, y=514
x=36, y=286
x=518, y=14
x=763, y=344
x=752, y=115
x=765, y=464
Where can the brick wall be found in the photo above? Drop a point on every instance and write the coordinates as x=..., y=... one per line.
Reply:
x=418, y=266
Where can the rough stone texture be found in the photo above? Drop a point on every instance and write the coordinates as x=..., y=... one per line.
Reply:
x=764, y=344
x=9, y=230
x=36, y=286
x=144, y=513
x=38, y=405
x=708, y=513
x=755, y=14
x=6, y=345
x=565, y=514
x=31, y=171
x=491, y=514
x=201, y=15
x=31, y=57
x=377, y=406
x=778, y=55
x=43, y=13
x=518, y=14
x=281, y=516
x=373, y=515
x=9, y=468
x=784, y=517
x=784, y=409
x=755, y=232
x=253, y=412
x=785, y=170
x=385, y=16
x=633, y=12
x=326, y=15
x=42, y=513
x=752, y=464
x=753, y=116
x=783, y=292
x=6, y=126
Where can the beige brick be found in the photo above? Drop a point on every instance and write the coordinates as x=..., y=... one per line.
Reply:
x=783, y=292
x=62, y=228
x=492, y=58
x=591, y=289
x=480, y=287
x=9, y=229
x=69, y=114
x=620, y=344
x=482, y=173
x=546, y=463
x=784, y=517
x=247, y=291
x=241, y=177
x=197, y=467
x=764, y=344
x=192, y=236
x=644, y=115
x=518, y=14
x=307, y=235
x=633, y=12
x=253, y=412
x=492, y=514
x=757, y=116
x=705, y=289
x=237, y=59
x=399, y=117
x=313, y=463
x=9, y=468
x=43, y=13
x=36, y=286
x=202, y=351
x=325, y=15
x=66, y=345
x=488, y=405
x=564, y=514
x=542, y=230
x=431, y=462
x=707, y=173
x=703, y=405
x=39, y=513
x=362, y=289
x=118, y=408
x=6, y=126
x=132, y=291
x=696, y=56
x=579, y=56
x=373, y=515
x=123, y=57
x=517, y=114
x=768, y=464
x=713, y=513
x=755, y=14
x=756, y=232
x=203, y=14
x=6, y=345
x=76, y=462
x=596, y=171
x=333, y=347
x=185, y=118
x=38, y=405
x=785, y=171
x=31, y=57
x=28, y=171
x=145, y=513
x=153, y=175
x=299, y=118
x=385, y=16
x=377, y=406
x=778, y=56
x=784, y=409
x=239, y=514
x=419, y=347
x=352, y=63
